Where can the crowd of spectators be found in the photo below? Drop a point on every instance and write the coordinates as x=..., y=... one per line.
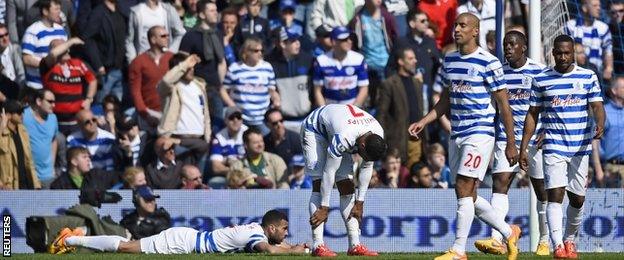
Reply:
x=200, y=94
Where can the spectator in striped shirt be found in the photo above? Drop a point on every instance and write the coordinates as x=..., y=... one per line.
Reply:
x=340, y=75
x=595, y=36
x=38, y=37
x=99, y=142
x=250, y=85
x=563, y=96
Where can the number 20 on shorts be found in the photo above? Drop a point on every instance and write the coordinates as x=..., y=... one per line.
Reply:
x=473, y=161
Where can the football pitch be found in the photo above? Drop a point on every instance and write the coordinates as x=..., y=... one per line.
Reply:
x=108, y=256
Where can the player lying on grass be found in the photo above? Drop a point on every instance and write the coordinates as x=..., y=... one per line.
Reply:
x=267, y=237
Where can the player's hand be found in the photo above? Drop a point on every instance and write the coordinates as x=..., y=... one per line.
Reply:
x=357, y=211
x=415, y=128
x=511, y=153
x=599, y=132
x=524, y=161
x=299, y=248
x=319, y=216
x=540, y=140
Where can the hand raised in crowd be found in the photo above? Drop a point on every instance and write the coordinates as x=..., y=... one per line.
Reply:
x=4, y=121
x=191, y=60
x=75, y=41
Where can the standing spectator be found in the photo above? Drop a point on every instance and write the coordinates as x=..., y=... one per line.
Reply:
x=10, y=61
x=262, y=164
x=18, y=169
x=331, y=14
x=292, y=76
x=340, y=74
x=399, y=9
x=38, y=38
x=192, y=178
x=144, y=74
x=612, y=145
x=323, y=42
x=427, y=54
x=485, y=10
x=298, y=179
x=189, y=20
x=134, y=177
x=227, y=145
x=22, y=13
x=280, y=140
x=616, y=27
x=252, y=25
x=104, y=37
x=594, y=35
x=581, y=59
x=393, y=174
x=164, y=173
x=205, y=42
x=287, y=9
x=146, y=219
x=436, y=160
x=42, y=127
x=402, y=101
x=79, y=173
x=66, y=77
x=146, y=15
x=185, y=114
x=251, y=84
x=375, y=31
x=229, y=21
x=99, y=142
x=442, y=13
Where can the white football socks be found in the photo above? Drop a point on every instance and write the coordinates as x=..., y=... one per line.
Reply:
x=317, y=233
x=100, y=243
x=465, y=215
x=554, y=213
x=489, y=215
x=541, y=218
x=500, y=203
x=352, y=225
x=574, y=219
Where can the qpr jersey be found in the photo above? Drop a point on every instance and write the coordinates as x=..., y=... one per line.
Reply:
x=341, y=125
x=241, y=238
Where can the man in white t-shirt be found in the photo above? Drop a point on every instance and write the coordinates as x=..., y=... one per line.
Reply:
x=185, y=107
x=265, y=237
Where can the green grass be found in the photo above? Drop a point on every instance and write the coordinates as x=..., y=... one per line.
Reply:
x=601, y=256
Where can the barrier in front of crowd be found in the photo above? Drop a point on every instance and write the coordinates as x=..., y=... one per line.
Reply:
x=414, y=220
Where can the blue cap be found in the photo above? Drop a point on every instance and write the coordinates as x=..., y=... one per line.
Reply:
x=146, y=192
x=287, y=4
x=297, y=160
x=289, y=34
x=340, y=33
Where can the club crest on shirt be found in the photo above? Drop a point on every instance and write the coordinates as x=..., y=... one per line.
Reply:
x=526, y=81
x=473, y=72
x=349, y=71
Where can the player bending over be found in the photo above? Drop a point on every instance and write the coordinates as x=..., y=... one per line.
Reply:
x=267, y=237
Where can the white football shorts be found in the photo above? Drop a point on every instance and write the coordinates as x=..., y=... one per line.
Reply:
x=470, y=156
x=536, y=169
x=570, y=172
x=175, y=240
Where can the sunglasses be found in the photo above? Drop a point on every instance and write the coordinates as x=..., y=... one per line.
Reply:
x=620, y=11
x=88, y=121
x=424, y=20
x=171, y=148
x=164, y=35
x=277, y=122
x=4, y=35
x=51, y=101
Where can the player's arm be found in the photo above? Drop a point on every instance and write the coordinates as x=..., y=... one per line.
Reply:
x=530, y=123
x=318, y=95
x=439, y=109
x=599, y=117
x=332, y=164
x=361, y=96
x=265, y=247
x=504, y=111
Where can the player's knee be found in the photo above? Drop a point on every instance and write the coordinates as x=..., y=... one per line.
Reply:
x=345, y=187
x=556, y=194
x=576, y=201
x=501, y=182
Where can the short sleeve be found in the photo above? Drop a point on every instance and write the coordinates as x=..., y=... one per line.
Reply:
x=362, y=74
x=29, y=43
x=317, y=73
x=216, y=151
x=594, y=94
x=535, y=100
x=253, y=241
x=338, y=146
x=494, y=76
x=228, y=82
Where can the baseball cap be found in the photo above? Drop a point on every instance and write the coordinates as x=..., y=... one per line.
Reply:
x=287, y=4
x=12, y=106
x=146, y=192
x=229, y=111
x=297, y=160
x=340, y=33
x=321, y=32
x=288, y=34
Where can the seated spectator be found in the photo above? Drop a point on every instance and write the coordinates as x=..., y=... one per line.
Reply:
x=101, y=143
x=111, y=106
x=66, y=77
x=375, y=182
x=238, y=179
x=323, y=42
x=146, y=219
x=298, y=179
x=133, y=177
x=280, y=140
x=42, y=127
x=420, y=177
x=393, y=174
x=164, y=173
x=436, y=160
x=11, y=64
x=250, y=85
x=192, y=178
x=131, y=141
x=262, y=164
x=340, y=75
x=146, y=15
x=227, y=145
x=17, y=169
x=79, y=173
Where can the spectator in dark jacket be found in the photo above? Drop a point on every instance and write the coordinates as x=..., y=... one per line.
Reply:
x=146, y=220
x=280, y=140
x=253, y=25
x=79, y=173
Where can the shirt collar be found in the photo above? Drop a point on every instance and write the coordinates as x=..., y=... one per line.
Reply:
x=161, y=165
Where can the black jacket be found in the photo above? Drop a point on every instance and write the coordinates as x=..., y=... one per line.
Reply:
x=95, y=179
x=149, y=226
x=99, y=36
x=428, y=56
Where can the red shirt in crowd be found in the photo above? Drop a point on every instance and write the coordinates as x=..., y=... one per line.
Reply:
x=442, y=13
x=66, y=80
x=144, y=76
